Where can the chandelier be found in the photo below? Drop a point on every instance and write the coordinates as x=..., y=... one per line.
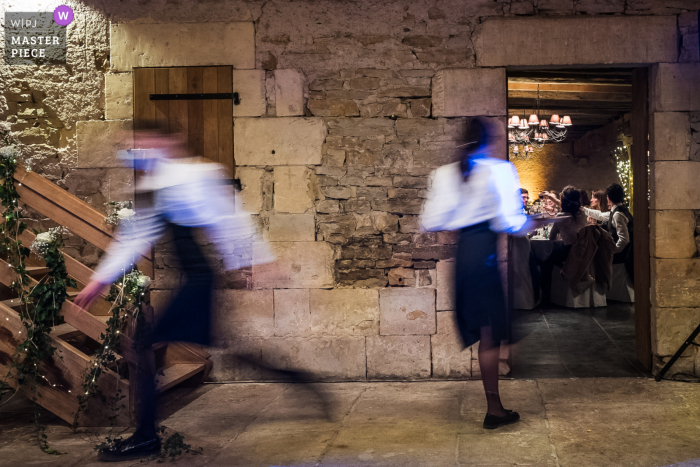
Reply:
x=525, y=136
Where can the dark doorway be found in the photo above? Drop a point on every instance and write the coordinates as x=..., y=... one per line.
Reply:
x=606, y=143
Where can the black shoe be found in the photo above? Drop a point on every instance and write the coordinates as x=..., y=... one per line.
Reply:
x=491, y=422
x=131, y=448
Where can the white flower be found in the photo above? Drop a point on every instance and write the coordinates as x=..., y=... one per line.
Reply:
x=8, y=152
x=143, y=281
x=44, y=237
x=125, y=214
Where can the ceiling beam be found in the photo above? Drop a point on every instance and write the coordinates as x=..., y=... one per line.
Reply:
x=572, y=88
x=573, y=96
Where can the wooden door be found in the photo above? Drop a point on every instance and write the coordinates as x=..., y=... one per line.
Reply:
x=208, y=123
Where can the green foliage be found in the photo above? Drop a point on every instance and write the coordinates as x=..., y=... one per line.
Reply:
x=125, y=294
x=40, y=306
x=173, y=447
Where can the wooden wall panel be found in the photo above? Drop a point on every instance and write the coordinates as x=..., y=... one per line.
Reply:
x=177, y=80
x=207, y=123
x=225, y=119
x=162, y=107
x=195, y=112
x=144, y=107
x=210, y=124
x=640, y=166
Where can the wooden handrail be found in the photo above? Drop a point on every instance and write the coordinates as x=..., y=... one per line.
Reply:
x=77, y=317
x=70, y=211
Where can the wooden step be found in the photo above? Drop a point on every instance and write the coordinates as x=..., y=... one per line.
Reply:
x=176, y=374
x=37, y=271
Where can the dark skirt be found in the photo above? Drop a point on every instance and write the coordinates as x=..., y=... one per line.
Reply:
x=480, y=300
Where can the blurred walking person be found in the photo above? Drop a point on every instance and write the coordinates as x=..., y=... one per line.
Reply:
x=480, y=197
x=186, y=194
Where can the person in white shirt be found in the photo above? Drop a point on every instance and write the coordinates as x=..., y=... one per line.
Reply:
x=185, y=194
x=479, y=196
x=619, y=223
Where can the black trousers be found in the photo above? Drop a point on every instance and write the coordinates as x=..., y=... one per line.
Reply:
x=187, y=319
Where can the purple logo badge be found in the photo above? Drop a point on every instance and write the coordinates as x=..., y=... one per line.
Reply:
x=63, y=15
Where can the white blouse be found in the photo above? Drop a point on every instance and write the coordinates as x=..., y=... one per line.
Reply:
x=188, y=194
x=491, y=193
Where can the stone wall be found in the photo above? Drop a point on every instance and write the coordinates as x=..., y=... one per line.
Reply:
x=345, y=109
x=555, y=166
x=675, y=214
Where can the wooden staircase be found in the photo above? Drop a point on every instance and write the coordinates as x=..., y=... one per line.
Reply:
x=77, y=338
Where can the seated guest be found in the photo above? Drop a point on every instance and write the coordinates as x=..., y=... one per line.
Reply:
x=619, y=223
x=598, y=202
x=585, y=200
x=567, y=229
x=551, y=204
x=525, y=195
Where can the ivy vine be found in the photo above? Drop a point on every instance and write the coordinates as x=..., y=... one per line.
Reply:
x=39, y=306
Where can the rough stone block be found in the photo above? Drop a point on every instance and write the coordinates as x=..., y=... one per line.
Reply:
x=402, y=277
x=289, y=93
x=670, y=327
x=672, y=233
x=298, y=265
x=182, y=44
x=250, y=86
x=445, y=285
x=398, y=357
x=333, y=108
x=226, y=362
x=331, y=359
x=119, y=91
x=99, y=141
x=343, y=312
x=450, y=359
x=243, y=313
x=293, y=191
x=673, y=87
x=292, y=316
x=407, y=311
x=118, y=184
x=674, y=185
x=675, y=282
x=670, y=136
x=577, y=41
x=278, y=141
x=292, y=228
x=469, y=92
x=251, y=195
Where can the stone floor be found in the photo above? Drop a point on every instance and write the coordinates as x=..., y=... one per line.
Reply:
x=557, y=342
x=565, y=422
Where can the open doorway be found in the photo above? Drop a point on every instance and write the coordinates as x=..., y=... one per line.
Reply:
x=579, y=130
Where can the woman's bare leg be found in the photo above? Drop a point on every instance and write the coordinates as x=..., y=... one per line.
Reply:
x=489, y=352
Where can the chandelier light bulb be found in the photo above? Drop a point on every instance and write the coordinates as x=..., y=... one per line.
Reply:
x=566, y=121
x=515, y=120
x=554, y=119
x=533, y=120
x=544, y=124
x=523, y=124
